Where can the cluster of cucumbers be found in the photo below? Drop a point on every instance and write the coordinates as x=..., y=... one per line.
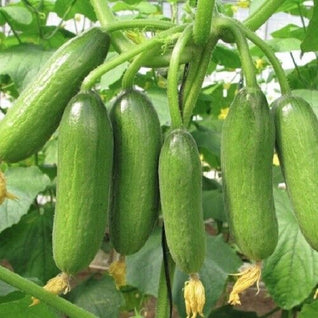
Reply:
x=115, y=169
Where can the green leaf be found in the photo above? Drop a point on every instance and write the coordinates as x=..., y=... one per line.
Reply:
x=143, y=268
x=28, y=246
x=22, y=63
x=229, y=58
x=310, y=42
x=6, y=289
x=311, y=96
x=220, y=261
x=20, y=309
x=213, y=205
x=17, y=14
x=309, y=310
x=304, y=77
x=278, y=45
x=289, y=31
x=291, y=272
x=159, y=99
x=25, y=183
x=71, y=8
x=98, y=296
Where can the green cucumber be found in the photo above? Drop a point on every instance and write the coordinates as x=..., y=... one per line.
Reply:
x=85, y=156
x=137, y=142
x=247, y=147
x=297, y=148
x=180, y=184
x=36, y=113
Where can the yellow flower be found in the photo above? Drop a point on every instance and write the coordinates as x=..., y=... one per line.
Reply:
x=117, y=270
x=223, y=113
x=4, y=194
x=259, y=64
x=227, y=86
x=243, y=3
x=234, y=8
x=246, y=279
x=136, y=37
x=194, y=296
x=57, y=285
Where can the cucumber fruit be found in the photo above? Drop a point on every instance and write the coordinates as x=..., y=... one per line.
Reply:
x=247, y=146
x=297, y=148
x=85, y=158
x=180, y=184
x=36, y=113
x=137, y=142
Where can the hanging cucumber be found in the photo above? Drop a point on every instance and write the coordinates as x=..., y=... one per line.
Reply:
x=137, y=142
x=297, y=148
x=85, y=155
x=246, y=155
x=36, y=113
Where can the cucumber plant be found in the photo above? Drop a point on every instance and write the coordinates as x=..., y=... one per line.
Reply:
x=134, y=147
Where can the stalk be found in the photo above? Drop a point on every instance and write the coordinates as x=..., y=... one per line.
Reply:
x=262, y=14
x=94, y=75
x=55, y=301
x=172, y=87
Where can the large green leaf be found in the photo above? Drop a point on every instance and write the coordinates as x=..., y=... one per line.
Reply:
x=20, y=309
x=310, y=42
x=15, y=13
x=68, y=8
x=220, y=261
x=28, y=245
x=22, y=63
x=213, y=205
x=229, y=58
x=143, y=268
x=25, y=183
x=309, y=310
x=289, y=31
x=291, y=272
x=311, y=96
x=304, y=77
x=98, y=296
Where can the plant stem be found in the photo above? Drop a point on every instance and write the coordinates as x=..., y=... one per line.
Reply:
x=223, y=23
x=55, y=301
x=164, y=300
x=132, y=70
x=172, y=87
x=146, y=24
x=262, y=14
x=192, y=96
x=93, y=76
x=106, y=17
x=202, y=22
x=283, y=82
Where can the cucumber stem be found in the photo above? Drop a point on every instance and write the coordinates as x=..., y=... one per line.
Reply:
x=192, y=96
x=223, y=23
x=262, y=14
x=172, y=87
x=164, y=300
x=136, y=64
x=283, y=82
x=55, y=301
x=94, y=75
x=202, y=21
x=146, y=24
x=106, y=17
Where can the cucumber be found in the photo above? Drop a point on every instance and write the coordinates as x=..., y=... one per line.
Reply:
x=137, y=142
x=85, y=154
x=297, y=148
x=247, y=146
x=180, y=184
x=36, y=113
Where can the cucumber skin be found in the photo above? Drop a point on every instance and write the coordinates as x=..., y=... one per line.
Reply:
x=85, y=158
x=297, y=148
x=180, y=184
x=36, y=113
x=247, y=146
x=135, y=197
